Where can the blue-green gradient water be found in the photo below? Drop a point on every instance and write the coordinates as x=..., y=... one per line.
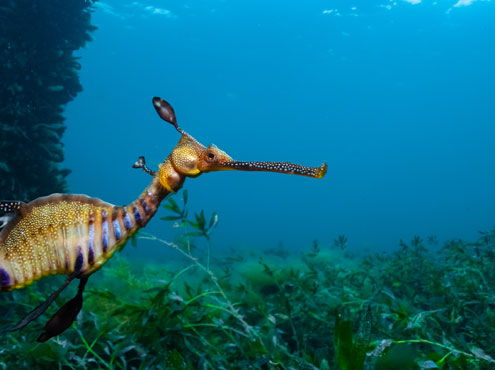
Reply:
x=396, y=96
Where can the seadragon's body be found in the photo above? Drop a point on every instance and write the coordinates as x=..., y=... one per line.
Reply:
x=75, y=234
x=69, y=234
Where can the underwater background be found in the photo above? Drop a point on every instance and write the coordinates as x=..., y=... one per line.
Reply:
x=386, y=262
x=397, y=97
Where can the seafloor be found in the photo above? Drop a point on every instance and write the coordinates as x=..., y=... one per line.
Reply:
x=424, y=306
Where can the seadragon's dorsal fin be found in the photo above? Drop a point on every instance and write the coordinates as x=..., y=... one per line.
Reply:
x=9, y=209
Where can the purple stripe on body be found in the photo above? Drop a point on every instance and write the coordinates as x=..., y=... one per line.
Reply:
x=144, y=205
x=91, y=251
x=79, y=261
x=4, y=278
x=127, y=220
x=137, y=215
x=116, y=229
x=104, y=236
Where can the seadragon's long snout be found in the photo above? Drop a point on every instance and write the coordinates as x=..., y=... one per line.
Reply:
x=280, y=167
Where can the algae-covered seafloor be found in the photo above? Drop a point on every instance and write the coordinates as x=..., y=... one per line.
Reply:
x=322, y=308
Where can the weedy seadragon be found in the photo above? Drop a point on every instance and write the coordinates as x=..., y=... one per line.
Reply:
x=75, y=235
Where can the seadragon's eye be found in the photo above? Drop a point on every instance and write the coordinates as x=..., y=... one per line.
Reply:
x=211, y=155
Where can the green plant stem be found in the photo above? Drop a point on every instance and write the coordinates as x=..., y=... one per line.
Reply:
x=218, y=308
x=293, y=327
x=223, y=327
x=441, y=361
x=450, y=349
x=184, y=270
x=90, y=349
x=208, y=245
x=92, y=344
x=201, y=295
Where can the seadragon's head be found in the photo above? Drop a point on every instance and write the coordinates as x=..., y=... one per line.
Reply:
x=190, y=158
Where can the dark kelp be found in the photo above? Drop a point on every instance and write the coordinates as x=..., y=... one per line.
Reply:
x=39, y=76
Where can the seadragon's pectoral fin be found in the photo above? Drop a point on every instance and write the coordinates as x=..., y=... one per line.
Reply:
x=65, y=316
x=41, y=308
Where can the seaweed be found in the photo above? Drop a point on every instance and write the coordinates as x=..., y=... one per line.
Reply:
x=39, y=75
x=413, y=308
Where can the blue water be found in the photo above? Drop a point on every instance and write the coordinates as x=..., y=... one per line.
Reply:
x=397, y=98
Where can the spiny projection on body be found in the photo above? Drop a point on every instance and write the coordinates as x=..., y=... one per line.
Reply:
x=75, y=235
